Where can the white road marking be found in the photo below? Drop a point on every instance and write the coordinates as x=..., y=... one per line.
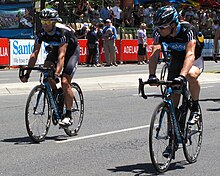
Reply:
x=206, y=87
x=104, y=134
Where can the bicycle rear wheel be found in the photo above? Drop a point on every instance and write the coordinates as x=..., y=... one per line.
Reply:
x=77, y=110
x=163, y=76
x=193, y=139
x=161, y=130
x=38, y=114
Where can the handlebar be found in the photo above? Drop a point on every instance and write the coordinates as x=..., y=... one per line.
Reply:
x=141, y=91
x=50, y=71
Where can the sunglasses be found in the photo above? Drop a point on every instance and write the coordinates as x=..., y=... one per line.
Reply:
x=47, y=22
x=162, y=27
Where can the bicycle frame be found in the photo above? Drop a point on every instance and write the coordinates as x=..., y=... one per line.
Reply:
x=169, y=102
x=51, y=97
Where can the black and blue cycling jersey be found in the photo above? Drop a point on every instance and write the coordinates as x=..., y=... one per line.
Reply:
x=177, y=44
x=62, y=34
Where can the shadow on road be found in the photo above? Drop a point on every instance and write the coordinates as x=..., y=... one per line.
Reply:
x=154, y=95
x=214, y=100
x=27, y=140
x=147, y=168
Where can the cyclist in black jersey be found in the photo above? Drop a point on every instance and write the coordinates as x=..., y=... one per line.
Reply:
x=186, y=61
x=63, y=54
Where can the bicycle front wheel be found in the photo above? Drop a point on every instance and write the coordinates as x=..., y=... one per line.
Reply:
x=193, y=139
x=38, y=114
x=160, y=136
x=77, y=110
x=163, y=76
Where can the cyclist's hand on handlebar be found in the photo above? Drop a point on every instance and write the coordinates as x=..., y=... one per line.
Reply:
x=25, y=78
x=180, y=80
x=152, y=80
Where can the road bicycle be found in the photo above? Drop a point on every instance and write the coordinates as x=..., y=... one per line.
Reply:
x=169, y=128
x=164, y=71
x=44, y=106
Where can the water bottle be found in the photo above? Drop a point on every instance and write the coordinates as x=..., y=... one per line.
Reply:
x=200, y=37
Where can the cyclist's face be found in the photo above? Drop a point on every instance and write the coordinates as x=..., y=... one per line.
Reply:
x=48, y=25
x=164, y=30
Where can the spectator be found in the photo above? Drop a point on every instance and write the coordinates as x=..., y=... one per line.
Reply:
x=190, y=13
x=215, y=27
x=92, y=45
x=80, y=19
x=96, y=19
x=110, y=35
x=83, y=31
x=142, y=43
x=203, y=19
x=105, y=12
x=127, y=17
x=141, y=13
x=117, y=12
x=77, y=13
x=148, y=16
x=136, y=16
x=100, y=41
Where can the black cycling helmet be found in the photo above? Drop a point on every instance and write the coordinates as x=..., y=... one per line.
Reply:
x=165, y=16
x=49, y=14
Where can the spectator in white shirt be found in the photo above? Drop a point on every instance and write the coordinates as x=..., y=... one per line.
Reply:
x=117, y=14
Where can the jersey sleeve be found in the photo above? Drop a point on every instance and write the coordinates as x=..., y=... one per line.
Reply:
x=191, y=33
x=38, y=38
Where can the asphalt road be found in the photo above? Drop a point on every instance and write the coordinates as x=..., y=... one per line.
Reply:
x=113, y=139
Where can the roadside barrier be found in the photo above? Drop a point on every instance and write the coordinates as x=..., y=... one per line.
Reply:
x=15, y=52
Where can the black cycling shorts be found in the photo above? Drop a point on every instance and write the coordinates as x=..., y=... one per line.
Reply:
x=141, y=50
x=175, y=67
x=70, y=63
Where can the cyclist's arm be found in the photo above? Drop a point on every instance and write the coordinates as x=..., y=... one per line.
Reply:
x=61, y=57
x=33, y=56
x=217, y=36
x=190, y=57
x=156, y=47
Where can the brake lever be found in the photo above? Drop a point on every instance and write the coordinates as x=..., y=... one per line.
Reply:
x=141, y=89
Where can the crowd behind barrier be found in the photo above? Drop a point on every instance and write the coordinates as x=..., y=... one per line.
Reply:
x=128, y=19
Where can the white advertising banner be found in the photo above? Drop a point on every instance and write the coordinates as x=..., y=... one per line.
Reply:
x=208, y=48
x=20, y=51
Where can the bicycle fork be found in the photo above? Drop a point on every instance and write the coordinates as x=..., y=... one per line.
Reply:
x=37, y=103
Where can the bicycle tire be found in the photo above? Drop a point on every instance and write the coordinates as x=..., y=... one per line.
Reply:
x=193, y=139
x=38, y=114
x=163, y=77
x=77, y=111
x=159, y=138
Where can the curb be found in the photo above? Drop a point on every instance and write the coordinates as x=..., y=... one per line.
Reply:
x=99, y=83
